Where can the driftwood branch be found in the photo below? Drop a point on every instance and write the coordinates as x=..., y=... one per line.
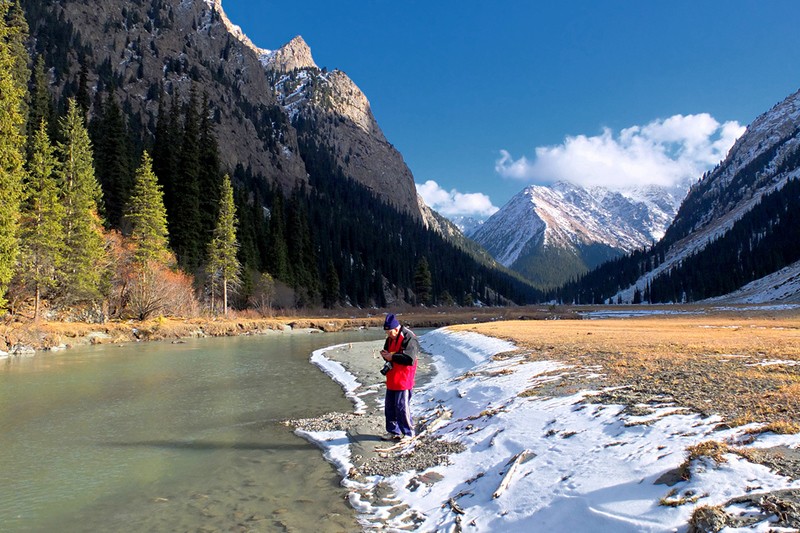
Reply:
x=521, y=457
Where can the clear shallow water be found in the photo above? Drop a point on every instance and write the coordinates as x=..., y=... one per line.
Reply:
x=170, y=437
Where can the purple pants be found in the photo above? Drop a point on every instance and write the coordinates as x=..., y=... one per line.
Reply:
x=398, y=412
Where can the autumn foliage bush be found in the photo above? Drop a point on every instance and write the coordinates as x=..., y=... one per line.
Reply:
x=144, y=290
x=158, y=290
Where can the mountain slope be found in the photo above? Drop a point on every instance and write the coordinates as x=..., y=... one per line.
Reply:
x=331, y=113
x=144, y=49
x=285, y=128
x=735, y=226
x=553, y=234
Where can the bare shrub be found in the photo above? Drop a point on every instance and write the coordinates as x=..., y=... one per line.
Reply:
x=158, y=290
x=263, y=295
x=707, y=519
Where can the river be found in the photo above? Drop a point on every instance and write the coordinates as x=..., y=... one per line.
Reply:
x=170, y=437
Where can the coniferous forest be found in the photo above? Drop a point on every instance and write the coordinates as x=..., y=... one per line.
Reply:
x=103, y=219
x=762, y=242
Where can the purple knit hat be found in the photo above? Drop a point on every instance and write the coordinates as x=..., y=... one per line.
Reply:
x=391, y=322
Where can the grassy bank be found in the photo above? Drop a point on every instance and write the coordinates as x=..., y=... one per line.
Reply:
x=744, y=366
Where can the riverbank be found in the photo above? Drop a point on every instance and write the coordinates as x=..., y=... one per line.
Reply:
x=656, y=424
x=21, y=336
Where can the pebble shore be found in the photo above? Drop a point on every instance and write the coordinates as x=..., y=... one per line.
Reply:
x=364, y=431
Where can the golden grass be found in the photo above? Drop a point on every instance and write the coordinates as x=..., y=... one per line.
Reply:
x=779, y=427
x=710, y=364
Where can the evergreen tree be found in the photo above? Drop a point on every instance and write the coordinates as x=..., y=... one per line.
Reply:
x=184, y=221
x=331, y=291
x=165, y=162
x=42, y=220
x=147, y=217
x=82, y=96
x=12, y=145
x=83, y=235
x=16, y=38
x=223, y=265
x=41, y=103
x=278, y=258
x=302, y=259
x=209, y=177
x=113, y=158
x=423, y=284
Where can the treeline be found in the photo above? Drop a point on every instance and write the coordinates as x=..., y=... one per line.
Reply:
x=76, y=241
x=601, y=284
x=336, y=243
x=760, y=243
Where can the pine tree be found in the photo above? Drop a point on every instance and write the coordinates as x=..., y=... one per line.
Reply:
x=82, y=96
x=278, y=258
x=331, y=291
x=209, y=177
x=41, y=103
x=146, y=216
x=16, y=39
x=302, y=257
x=12, y=144
x=223, y=265
x=42, y=220
x=113, y=158
x=184, y=221
x=164, y=153
x=422, y=281
x=83, y=235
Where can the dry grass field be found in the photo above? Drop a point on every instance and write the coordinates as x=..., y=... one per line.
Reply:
x=744, y=368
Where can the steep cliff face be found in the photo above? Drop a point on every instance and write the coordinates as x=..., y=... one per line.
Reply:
x=294, y=55
x=331, y=113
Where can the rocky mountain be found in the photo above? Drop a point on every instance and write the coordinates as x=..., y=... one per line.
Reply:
x=736, y=232
x=552, y=234
x=330, y=113
x=467, y=224
x=352, y=225
x=265, y=102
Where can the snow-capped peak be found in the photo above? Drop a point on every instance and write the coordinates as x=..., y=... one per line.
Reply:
x=568, y=216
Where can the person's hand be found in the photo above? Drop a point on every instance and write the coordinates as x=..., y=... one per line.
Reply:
x=386, y=355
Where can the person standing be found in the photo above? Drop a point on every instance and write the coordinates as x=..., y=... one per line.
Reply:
x=400, y=351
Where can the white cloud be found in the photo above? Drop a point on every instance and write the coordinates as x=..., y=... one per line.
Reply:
x=663, y=152
x=454, y=203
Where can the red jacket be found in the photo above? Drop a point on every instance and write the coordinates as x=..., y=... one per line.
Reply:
x=405, y=348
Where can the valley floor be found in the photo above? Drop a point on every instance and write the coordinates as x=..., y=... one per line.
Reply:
x=680, y=422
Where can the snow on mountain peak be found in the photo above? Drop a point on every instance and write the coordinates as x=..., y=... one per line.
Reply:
x=567, y=216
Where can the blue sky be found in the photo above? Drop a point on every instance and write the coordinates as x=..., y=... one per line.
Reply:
x=483, y=98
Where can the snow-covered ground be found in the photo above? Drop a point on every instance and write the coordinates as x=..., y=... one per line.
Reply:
x=580, y=466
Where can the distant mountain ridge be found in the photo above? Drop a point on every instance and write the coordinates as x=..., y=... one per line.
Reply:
x=551, y=234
